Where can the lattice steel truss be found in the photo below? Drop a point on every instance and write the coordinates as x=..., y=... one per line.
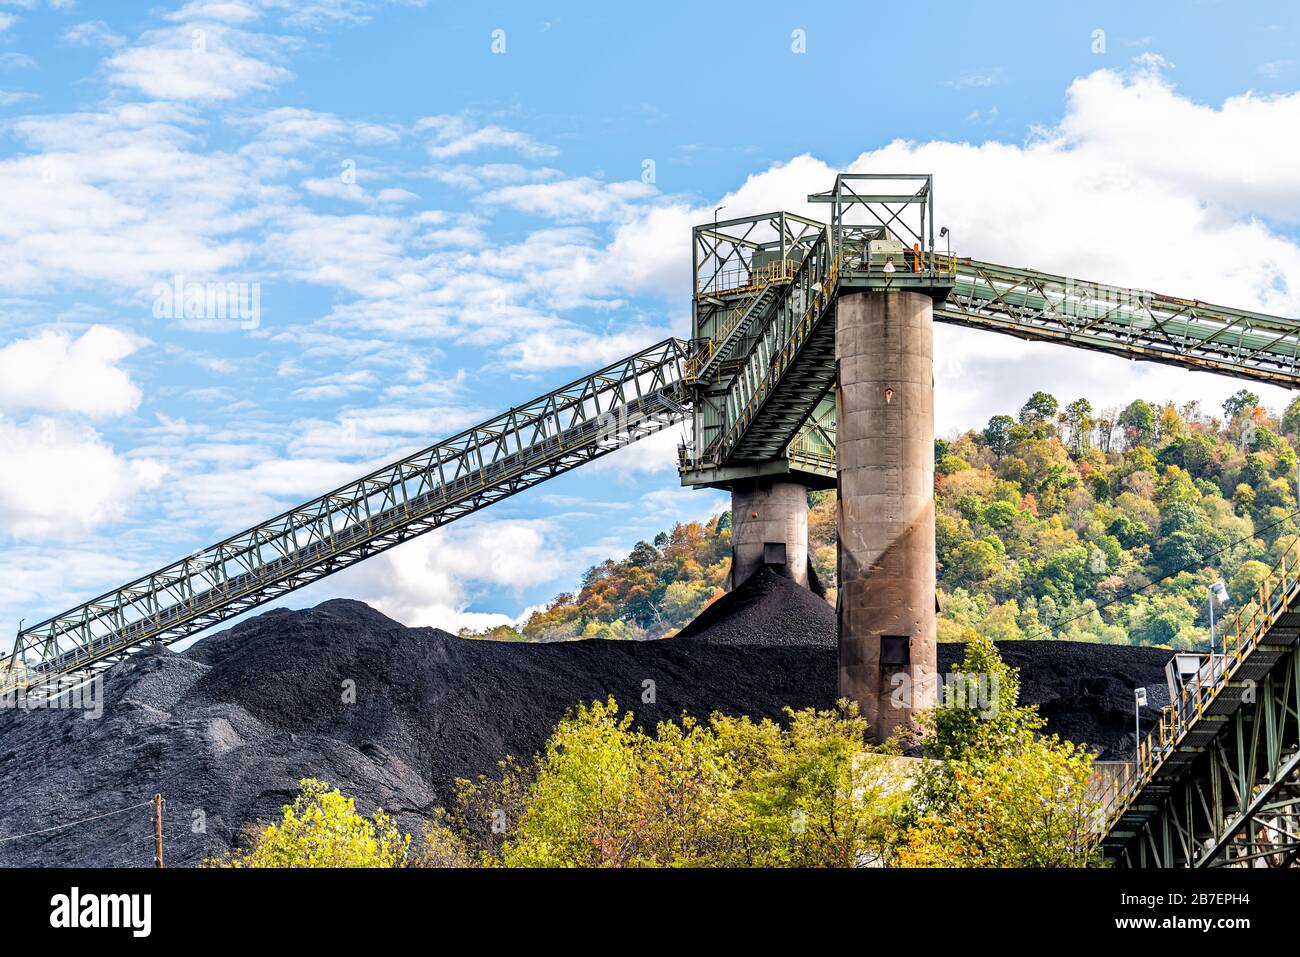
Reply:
x=1131, y=322
x=1217, y=783
x=587, y=418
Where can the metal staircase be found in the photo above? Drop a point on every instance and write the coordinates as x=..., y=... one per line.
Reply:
x=789, y=367
x=590, y=417
x=717, y=352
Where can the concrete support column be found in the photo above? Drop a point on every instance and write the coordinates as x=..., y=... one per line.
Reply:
x=885, y=455
x=769, y=526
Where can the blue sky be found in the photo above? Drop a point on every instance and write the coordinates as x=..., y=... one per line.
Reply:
x=435, y=231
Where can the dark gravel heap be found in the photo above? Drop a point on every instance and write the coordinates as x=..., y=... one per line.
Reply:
x=767, y=609
x=225, y=730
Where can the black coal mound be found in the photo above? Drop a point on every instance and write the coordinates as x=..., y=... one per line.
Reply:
x=767, y=609
x=393, y=715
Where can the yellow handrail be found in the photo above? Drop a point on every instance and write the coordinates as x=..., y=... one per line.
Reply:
x=1250, y=624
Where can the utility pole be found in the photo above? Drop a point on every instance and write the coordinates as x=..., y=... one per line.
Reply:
x=157, y=830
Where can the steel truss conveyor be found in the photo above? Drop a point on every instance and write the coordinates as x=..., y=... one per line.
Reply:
x=619, y=404
x=1217, y=782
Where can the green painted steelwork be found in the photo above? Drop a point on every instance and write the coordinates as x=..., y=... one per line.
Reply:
x=1217, y=783
x=584, y=420
x=767, y=334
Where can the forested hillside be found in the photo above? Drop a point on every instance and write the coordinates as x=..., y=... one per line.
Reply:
x=1075, y=521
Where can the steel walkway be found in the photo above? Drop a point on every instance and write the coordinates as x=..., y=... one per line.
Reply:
x=1217, y=782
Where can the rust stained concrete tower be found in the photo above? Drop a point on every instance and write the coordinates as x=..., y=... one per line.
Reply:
x=769, y=526
x=885, y=453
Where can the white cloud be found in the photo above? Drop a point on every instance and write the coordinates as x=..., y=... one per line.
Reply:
x=227, y=11
x=199, y=61
x=581, y=200
x=122, y=196
x=430, y=580
x=979, y=79
x=468, y=176
x=42, y=579
x=54, y=372
x=61, y=480
x=658, y=453
x=395, y=195
x=337, y=385
x=455, y=136
x=289, y=129
x=566, y=344
x=93, y=33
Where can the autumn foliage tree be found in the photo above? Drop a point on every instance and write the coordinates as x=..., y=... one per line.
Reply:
x=322, y=828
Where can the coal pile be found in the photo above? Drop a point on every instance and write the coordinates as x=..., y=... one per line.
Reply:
x=393, y=715
x=767, y=609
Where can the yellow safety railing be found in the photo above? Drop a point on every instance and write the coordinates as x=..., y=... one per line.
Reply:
x=782, y=270
x=1275, y=596
x=746, y=278
x=806, y=453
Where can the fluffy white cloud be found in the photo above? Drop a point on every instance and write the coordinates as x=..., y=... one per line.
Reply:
x=201, y=61
x=227, y=11
x=93, y=33
x=581, y=200
x=565, y=344
x=53, y=372
x=122, y=196
x=288, y=129
x=40, y=580
x=61, y=480
x=430, y=580
x=1137, y=185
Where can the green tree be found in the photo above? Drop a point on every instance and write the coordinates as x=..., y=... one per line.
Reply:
x=1130, y=532
x=1291, y=418
x=1243, y=400
x=1039, y=411
x=727, y=792
x=322, y=828
x=1078, y=420
x=1246, y=580
x=1000, y=515
x=1138, y=420
x=1001, y=795
x=974, y=561
x=999, y=435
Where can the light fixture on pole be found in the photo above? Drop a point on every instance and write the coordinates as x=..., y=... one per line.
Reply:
x=1219, y=593
x=1139, y=702
x=717, y=244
